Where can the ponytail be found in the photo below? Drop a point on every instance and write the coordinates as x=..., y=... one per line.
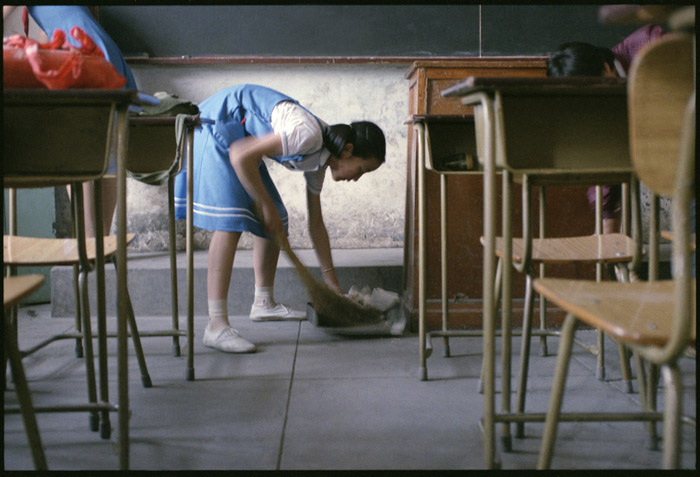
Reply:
x=335, y=137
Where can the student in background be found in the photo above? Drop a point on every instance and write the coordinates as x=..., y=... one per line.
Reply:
x=233, y=191
x=584, y=59
x=65, y=17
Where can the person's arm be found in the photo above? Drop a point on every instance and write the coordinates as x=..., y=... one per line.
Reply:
x=245, y=155
x=319, y=238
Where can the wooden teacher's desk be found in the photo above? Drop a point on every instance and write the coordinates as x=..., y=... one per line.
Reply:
x=445, y=116
x=554, y=130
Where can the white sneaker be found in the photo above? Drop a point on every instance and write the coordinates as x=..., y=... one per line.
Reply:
x=227, y=340
x=279, y=312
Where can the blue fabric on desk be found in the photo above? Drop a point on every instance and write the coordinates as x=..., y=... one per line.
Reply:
x=65, y=17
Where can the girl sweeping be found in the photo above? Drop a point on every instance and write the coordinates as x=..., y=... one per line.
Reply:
x=233, y=191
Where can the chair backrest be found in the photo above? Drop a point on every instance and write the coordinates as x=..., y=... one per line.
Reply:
x=662, y=142
x=660, y=82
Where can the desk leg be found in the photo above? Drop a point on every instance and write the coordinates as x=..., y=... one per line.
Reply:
x=123, y=365
x=420, y=146
x=84, y=303
x=443, y=258
x=488, y=304
x=506, y=305
x=105, y=425
x=189, y=373
x=173, y=266
x=543, y=301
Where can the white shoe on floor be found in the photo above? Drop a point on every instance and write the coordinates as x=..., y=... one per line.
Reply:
x=227, y=340
x=279, y=312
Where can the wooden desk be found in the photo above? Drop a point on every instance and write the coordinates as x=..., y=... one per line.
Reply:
x=585, y=125
x=427, y=79
x=37, y=124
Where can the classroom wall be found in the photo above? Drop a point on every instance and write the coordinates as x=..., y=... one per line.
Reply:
x=369, y=213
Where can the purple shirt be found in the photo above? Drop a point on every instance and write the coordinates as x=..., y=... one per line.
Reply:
x=624, y=52
x=627, y=49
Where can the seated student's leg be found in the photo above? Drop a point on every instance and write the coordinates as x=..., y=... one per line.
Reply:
x=109, y=204
x=611, y=225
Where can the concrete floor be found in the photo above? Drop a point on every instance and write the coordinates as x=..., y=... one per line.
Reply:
x=309, y=400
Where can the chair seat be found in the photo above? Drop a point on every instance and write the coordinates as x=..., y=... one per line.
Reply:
x=608, y=248
x=17, y=287
x=638, y=313
x=18, y=250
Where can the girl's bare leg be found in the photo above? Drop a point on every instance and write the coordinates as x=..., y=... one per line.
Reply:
x=222, y=250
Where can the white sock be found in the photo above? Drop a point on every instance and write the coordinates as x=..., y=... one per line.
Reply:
x=218, y=314
x=264, y=296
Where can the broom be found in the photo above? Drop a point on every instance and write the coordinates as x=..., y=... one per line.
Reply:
x=337, y=310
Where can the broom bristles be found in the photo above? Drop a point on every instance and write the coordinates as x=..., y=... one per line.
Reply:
x=337, y=310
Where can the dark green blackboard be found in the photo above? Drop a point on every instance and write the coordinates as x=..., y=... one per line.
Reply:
x=353, y=30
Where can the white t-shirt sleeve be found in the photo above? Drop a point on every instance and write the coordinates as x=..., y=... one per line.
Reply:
x=301, y=135
x=300, y=132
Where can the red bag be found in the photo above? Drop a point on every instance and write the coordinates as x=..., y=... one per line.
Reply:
x=57, y=64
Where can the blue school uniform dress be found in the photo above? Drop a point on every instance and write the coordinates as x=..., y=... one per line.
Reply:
x=65, y=17
x=219, y=200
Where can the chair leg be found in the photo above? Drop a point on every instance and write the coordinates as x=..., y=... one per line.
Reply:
x=11, y=314
x=89, y=354
x=600, y=364
x=544, y=351
x=524, y=354
x=647, y=405
x=78, y=319
x=625, y=367
x=622, y=274
x=173, y=265
x=555, y=400
x=652, y=383
x=497, y=298
x=672, y=416
x=136, y=338
x=24, y=397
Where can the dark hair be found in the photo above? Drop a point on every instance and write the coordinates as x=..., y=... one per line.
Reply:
x=579, y=59
x=366, y=137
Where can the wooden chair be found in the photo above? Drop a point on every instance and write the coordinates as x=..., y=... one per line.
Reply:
x=31, y=163
x=530, y=254
x=656, y=319
x=14, y=290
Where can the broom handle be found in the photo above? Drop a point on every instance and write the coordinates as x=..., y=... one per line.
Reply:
x=303, y=272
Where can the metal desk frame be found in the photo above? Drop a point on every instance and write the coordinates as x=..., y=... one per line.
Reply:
x=492, y=145
x=119, y=102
